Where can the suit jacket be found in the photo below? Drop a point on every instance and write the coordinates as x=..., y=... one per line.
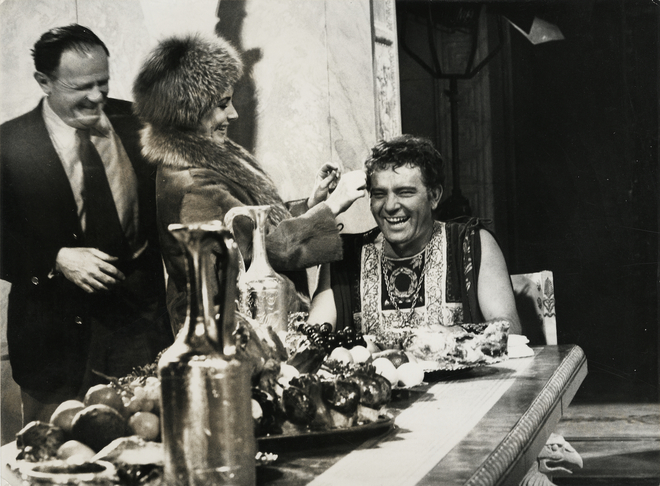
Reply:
x=48, y=316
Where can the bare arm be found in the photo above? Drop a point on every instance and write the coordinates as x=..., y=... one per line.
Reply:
x=494, y=289
x=323, y=303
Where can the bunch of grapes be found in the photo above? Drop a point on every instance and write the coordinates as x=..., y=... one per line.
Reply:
x=324, y=337
x=142, y=395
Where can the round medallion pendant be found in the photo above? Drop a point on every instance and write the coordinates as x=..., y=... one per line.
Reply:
x=403, y=276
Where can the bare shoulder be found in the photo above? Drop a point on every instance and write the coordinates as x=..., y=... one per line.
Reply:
x=492, y=263
x=489, y=245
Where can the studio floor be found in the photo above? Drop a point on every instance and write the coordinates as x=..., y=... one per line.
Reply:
x=619, y=443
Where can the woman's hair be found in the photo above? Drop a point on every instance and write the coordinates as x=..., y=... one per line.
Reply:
x=411, y=151
x=47, y=51
x=183, y=78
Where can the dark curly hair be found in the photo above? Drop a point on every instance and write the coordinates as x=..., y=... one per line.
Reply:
x=47, y=51
x=408, y=150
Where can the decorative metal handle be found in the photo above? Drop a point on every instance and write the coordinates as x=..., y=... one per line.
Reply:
x=248, y=211
x=256, y=213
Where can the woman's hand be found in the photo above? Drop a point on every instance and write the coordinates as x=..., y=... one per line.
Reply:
x=326, y=181
x=351, y=187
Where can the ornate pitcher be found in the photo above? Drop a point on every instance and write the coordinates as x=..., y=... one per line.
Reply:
x=207, y=425
x=262, y=290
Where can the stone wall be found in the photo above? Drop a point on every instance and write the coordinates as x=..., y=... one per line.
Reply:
x=309, y=94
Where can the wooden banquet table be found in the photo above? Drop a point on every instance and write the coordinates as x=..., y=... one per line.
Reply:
x=482, y=426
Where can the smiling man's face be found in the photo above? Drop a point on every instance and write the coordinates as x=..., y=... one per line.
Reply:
x=78, y=89
x=403, y=208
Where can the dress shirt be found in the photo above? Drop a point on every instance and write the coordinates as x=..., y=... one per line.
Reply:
x=118, y=167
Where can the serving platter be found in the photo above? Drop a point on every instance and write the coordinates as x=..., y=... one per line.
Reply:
x=458, y=365
x=59, y=472
x=294, y=438
x=101, y=473
x=449, y=366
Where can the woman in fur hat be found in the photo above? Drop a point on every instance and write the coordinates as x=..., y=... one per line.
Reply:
x=183, y=94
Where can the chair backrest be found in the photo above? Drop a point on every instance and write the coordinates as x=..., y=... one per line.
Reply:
x=535, y=301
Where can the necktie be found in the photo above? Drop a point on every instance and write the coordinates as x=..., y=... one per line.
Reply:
x=103, y=229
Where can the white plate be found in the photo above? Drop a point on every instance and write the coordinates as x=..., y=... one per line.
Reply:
x=37, y=473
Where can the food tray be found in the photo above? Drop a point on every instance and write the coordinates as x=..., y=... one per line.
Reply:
x=432, y=366
x=449, y=366
x=38, y=473
x=298, y=439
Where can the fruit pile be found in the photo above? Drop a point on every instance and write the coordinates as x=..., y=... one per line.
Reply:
x=325, y=379
x=348, y=346
x=323, y=336
x=330, y=380
x=341, y=398
x=78, y=430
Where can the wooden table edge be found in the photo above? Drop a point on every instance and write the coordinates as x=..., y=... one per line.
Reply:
x=529, y=434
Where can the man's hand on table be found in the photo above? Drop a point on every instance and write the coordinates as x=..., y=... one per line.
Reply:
x=90, y=269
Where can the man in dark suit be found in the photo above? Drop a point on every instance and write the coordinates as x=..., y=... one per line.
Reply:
x=79, y=242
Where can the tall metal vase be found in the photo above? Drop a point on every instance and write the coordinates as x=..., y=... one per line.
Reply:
x=263, y=294
x=207, y=425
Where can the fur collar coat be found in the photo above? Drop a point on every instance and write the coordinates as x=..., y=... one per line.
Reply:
x=200, y=180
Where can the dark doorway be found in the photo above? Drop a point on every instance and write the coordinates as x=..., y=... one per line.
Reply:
x=574, y=125
x=585, y=119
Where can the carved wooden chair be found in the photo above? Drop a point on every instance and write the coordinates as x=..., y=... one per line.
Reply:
x=535, y=301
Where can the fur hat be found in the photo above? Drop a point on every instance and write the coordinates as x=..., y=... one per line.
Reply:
x=183, y=78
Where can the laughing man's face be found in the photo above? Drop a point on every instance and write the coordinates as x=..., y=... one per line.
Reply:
x=78, y=89
x=403, y=208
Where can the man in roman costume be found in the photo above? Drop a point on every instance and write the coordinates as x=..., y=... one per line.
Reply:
x=412, y=272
